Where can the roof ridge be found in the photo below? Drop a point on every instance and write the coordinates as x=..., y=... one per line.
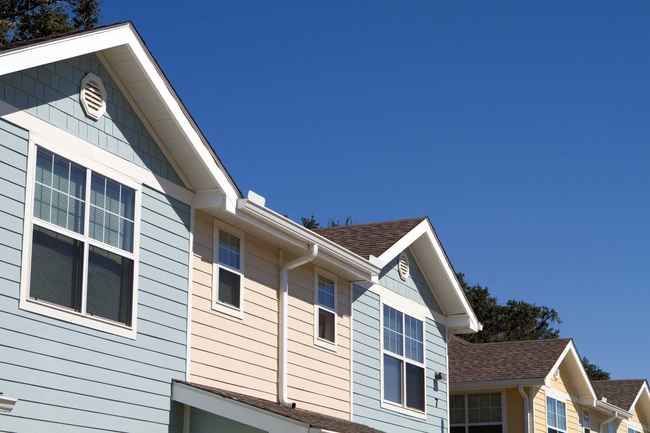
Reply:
x=375, y=223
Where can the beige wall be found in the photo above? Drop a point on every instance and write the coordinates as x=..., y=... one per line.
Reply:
x=241, y=354
x=514, y=411
x=539, y=406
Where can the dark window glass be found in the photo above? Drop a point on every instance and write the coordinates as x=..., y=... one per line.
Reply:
x=414, y=387
x=392, y=379
x=486, y=429
x=57, y=268
x=110, y=286
x=229, y=286
x=326, y=325
x=458, y=429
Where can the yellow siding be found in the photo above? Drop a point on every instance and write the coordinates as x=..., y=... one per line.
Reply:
x=242, y=354
x=514, y=410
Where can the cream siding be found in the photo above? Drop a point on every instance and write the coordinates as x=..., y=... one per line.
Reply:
x=514, y=410
x=242, y=354
x=539, y=404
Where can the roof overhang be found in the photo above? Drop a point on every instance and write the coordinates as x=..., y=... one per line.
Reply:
x=578, y=380
x=296, y=239
x=437, y=269
x=612, y=410
x=641, y=403
x=495, y=385
x=130, y=63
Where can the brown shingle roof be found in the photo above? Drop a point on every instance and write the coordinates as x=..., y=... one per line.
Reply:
x=313, y=419
x=514, y=360
x=620, y=393
x=371, y=239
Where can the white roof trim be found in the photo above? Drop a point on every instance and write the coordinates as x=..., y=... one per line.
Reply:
x=570, y=350
x=465, y=321
x=643, y=389
x=119, y=35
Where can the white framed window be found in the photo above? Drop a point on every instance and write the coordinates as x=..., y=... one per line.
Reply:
x=403, y=362
x=228, y=270
x=325, y=316
x=634, y=429
x=585, y=421
x=555, y=415
x=477, y=413
x=81, y=242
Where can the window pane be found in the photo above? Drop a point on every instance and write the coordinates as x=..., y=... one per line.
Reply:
x=110, y=285
x=326, y=292
x=392, y=379
x=414, y=347
x=77, y=181
x=393, y=336
x=458, y=429
x=484, y=408
x=326, y=328
x=229, y=250
x=112, y=196
x=61, y=174
x=59, y=209
x=98, y=190
x=127, y=203
x=112, y=230
x=486, y=429
x=76, y=215
x=229, y=287
x=96, y=223
x=414, y=387
x=457, y=409
x=561, y=415
x=56, y=274
x=42, y=202
x=44, y=167
x=126, y=235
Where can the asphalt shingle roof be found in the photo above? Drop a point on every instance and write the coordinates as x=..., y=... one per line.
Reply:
x=313, y=419
x=620, y=393
x=371, y=239
x=513, y=360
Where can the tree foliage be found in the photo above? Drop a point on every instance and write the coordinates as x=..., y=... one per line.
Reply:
x=312, y=223
x=593, y=371
x=22, y=20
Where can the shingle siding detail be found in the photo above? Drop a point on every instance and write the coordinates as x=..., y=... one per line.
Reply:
x=51, y=93
x=366, y=345
x=70, y=378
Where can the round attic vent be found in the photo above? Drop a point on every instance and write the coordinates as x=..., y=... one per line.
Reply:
x=403, y=266
x=93, y=96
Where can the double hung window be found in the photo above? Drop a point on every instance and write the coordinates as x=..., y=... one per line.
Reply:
x=404, y=375
x=476, y=413
x=555, y=415
x=228, y=278
x=325, y=310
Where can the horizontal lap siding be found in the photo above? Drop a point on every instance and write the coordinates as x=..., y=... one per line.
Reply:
x=367, y=372
x=228, y=352
x=70, y=378
x=319, y=379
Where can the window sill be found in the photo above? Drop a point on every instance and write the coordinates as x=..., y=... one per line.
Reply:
x=325, y=344
x=402, y=410
x=228, y=310
x=71, y=316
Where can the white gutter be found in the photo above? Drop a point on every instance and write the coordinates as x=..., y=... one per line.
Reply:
x=524, y=396
x=7, y=403
x=283, y=397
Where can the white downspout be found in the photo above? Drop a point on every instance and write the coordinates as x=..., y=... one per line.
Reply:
x=283, y=394
x=526, y=399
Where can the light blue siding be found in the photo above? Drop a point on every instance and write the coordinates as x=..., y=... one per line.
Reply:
x=366, y=342
x=51, y=93
x=70, y=378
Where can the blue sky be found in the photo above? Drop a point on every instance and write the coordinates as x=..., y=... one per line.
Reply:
x=520, y=128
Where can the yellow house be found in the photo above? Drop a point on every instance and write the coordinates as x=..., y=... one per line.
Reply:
x=531, y=387
x=631, y=395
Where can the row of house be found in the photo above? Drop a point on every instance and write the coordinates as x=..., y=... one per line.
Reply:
x=141, y=291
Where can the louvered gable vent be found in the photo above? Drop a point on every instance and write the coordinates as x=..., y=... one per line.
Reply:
x=93, y=96
x=403, y=266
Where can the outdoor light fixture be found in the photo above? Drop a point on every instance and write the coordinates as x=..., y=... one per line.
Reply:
x=7, y=403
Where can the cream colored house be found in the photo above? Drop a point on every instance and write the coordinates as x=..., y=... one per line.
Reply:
x=631, y=395
x=534, y=387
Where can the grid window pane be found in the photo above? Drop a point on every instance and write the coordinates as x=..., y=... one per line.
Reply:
x=96, y=224
x=392, y=379
x=112, y=196
x=76, y=215
x=393, y=334
x=98, y=191
x=326, y=290
x=42, y=202
x=561, y=415
x=44, y=160
x=229, y=250
x=486, y=429
x=415, y=387
x=229, y=287
x=484, y=408
x=326, y=325
x=110, y=285
x=458, y=429
x=127, y=202
x=550, y=412
x=457, y=409
x=57, y=268
x=111, y=212
x=61, y=171
x=77, y=181
x=112, y=229
x=59, y=215
x=414, y=339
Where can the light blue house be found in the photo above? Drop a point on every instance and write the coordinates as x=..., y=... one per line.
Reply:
x=99, y=168
x=401, y=324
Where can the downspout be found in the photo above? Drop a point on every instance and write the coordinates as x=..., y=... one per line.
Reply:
x=605, y=425
x=526, y=399
x=283, y=394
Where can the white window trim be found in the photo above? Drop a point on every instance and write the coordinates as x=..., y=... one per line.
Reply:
x=320, y=342
x=216, y=265
x=467, y=424
x=389, y=405
x=553, y=395
x=60, y=312
x=634, y=426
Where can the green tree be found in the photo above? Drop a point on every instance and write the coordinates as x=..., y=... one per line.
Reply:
x=593, y=371
x=310, y=222
x=22, y=20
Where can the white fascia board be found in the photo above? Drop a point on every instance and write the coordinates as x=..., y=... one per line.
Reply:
x=493, y=385
x=297, y=235
x=570, y=350
x=110, y=37
x=235, y=410
x=644, y=390
x=613, y=410
x=424, y=229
